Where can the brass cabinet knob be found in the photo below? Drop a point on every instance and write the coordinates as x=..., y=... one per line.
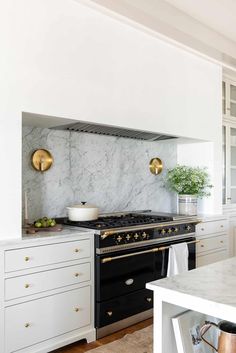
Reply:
x=27, y=285
x=27, y=258
x=76, y=274
x=149, y=299
x=202, y=229
x=222, y=226
x=222, y=241
x=76, y=310
x=76, y=250
x=109, y=313
x=202, y=246
x=27, y=325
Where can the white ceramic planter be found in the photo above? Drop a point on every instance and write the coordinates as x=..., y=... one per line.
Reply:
x=187, y=204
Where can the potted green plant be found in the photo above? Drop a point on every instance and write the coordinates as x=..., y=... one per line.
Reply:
x=190, y=183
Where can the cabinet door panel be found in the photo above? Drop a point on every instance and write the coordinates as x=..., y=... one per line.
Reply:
x=20, y=259
x=212, y=243
x=38, y=320
x=212, y=227
x=21, y=286
x=208, y=259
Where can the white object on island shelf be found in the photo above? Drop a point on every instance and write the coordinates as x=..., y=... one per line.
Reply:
x=178, y=259
x=187, y=332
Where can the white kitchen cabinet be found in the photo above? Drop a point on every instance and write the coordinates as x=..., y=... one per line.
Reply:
x=229, y=142
x=213, y=238
x=47, y=296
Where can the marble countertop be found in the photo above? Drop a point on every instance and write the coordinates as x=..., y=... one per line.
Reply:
x=66, y=231
x=209, y=289
x=30, y=239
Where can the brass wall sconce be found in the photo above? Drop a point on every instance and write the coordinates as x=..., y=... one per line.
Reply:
x=156, y=166
x=41, y=160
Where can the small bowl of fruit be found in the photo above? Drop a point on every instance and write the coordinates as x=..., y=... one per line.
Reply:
x=44, y=224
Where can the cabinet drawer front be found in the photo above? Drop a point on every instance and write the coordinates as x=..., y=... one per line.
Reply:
x=212, y=227
x=119, y=308
x=38, y=282
x=46, y=254
x=38, y=320
x=211, y=258
x=213, y=243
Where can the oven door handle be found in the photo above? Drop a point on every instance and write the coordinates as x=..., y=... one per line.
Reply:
x=153, y=250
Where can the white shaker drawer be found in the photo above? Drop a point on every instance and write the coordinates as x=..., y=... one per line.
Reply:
x=213, y=243
x=21, y=286
x=20, y=259
x=212, y=227
x=208, y=259
x=38, y=320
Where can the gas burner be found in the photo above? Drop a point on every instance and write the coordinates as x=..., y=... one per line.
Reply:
x=122, y=220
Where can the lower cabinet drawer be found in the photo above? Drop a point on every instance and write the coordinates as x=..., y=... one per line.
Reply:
x=38, y=320
x=207, y=244
x=212, y=227
x=124, y=306
x=21, y=286
x=208, y=259
x=22, y=259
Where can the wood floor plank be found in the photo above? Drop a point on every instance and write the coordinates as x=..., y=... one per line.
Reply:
x=83, y=346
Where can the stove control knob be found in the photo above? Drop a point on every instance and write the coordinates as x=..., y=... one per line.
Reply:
x=169, y=230
x=144, y=235
x=128, y=237
x=188, y=228
x=119, y=238
x=136, y=236
x=176, y=230
x=163, y=231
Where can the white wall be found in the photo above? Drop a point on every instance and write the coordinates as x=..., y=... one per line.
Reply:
x=61, y=58
x=206, y=154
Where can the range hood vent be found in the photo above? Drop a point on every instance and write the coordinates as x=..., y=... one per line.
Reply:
x=113, y=131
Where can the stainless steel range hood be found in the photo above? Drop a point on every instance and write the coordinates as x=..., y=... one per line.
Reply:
x=100, y=129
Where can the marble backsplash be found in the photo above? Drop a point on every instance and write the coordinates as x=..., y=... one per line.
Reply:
x=110, y=172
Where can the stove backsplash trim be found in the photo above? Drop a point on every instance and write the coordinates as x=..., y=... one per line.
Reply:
x=110, y=172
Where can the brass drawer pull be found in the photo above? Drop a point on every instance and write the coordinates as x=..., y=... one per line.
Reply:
x=76, y=274
x=222, y=241
x=27, y=285
x=27, y=258
x=109, y=313
x=76, y=310
x=202, y=229
x=76, y=250
x=202, y=246
x=27, y=325
x=222, y=226
x=149, y=300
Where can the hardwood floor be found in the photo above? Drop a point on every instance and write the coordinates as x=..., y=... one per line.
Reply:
x=82, y=346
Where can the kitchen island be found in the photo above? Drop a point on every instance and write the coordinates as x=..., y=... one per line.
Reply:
x=210, y=290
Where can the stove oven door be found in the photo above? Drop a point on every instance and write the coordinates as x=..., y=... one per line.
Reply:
x=125, y=272
x=121, y=279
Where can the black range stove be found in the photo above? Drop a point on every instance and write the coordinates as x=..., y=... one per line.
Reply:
x=132, y=249
x=114, y=232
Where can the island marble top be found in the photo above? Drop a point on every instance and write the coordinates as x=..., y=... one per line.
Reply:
x=209, y=289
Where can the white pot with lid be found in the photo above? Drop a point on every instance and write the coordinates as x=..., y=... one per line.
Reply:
x=82, y=212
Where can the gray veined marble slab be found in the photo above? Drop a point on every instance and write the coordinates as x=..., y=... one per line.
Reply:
x=108, y=171
x=209, y=289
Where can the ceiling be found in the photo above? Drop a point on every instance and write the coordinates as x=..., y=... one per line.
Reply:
x=219, y=15
x=206, y=26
